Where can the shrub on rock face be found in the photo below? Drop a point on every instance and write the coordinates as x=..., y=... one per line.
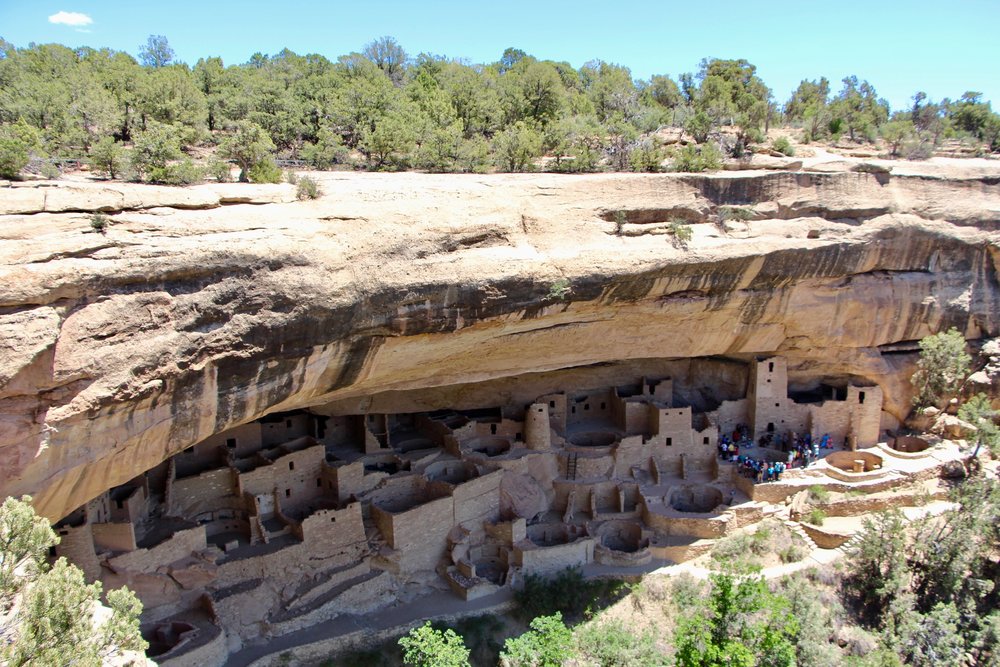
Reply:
x=942, y=368
x=265, y=171
x=783, y=146
x=308, y=188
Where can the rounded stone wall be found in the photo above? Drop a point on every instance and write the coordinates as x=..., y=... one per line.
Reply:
x=855, y=462
x=593, y=439
x=910, y=444
x=489, y=446
x=696, y=499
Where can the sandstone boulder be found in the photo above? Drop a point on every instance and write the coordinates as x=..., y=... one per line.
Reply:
x=521, y=496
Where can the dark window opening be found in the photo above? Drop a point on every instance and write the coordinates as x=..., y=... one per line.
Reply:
x=770, y=427
x=777, y=405
x=288, y=493
x=119, y=504
x=319, y=482
x=231, y=443
x=291, y=465
x=769, y=380
x=586, y=406
x=552, y=404
x=288, y=423
x=604, y=406
x=517, y=436
x=371, y=418
x=670, y=442
x=52, y=551
x=493, y=429
x=574, y=410
x=333, y=519
x=704, y=440
x=541, y=409
x=861, y=397
x=770, y=367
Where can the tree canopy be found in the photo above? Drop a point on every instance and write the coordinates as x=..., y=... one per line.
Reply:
x=383, y=108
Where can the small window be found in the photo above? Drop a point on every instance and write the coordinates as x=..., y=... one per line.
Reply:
x=604, y=406
x=573, y=410
x=517, y=436
x=118, y=503
x=291, y=465
x=541, y=409
x=319, y=482
x=670, y=442
x=493, y=429
x=770, y=367
x=288, y=493
x=704, y=440
x=552, y=404
x=777, y=405
x=769, y=380
x=333, y=519
x=770, y=427
x=288, y=423
x=52, y=551
x=861, y=397
x=586, y=407
x=231, y=443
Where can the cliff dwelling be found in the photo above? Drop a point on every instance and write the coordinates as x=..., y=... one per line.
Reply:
x=299, y=516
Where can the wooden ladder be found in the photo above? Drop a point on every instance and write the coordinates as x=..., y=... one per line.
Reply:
x=571, y=465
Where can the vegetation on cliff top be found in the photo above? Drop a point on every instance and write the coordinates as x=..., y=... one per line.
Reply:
x=383, y=109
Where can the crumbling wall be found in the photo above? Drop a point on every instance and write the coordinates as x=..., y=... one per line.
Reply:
x=478, y=499
x=179, y=545
x=210, y=491
x=114, y=536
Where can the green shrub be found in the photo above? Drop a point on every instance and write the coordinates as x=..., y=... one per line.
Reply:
x=18, y=142
x=99, y=222
x=792, y=554
x=647, y=157
x=691, y=158
x=427, y=647
x=559, y=289
x=682, y=232
x=264, y=171
x=818, y=494
x=308, y=188
x=816, y=517
x=184, y=172
x=610, y=643
x=783, y=146
x=50, y=171
x=329, y=150
x=153, y=149
x=621, y=217
x=738, y=213
x=219, y=170
x=291, y=177
x=549, y=643
x=108, y=157
x=567, y=592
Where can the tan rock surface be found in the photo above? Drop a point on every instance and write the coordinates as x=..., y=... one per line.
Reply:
x=413, y=291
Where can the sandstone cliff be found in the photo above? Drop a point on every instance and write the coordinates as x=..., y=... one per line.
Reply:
x=203, y=308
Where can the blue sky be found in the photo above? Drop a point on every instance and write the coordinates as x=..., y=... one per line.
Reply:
x=900, y=46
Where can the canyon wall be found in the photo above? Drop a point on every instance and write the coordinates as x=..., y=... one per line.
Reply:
x=406, y=292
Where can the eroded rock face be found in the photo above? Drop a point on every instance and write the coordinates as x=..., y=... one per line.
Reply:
x=411, y=292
